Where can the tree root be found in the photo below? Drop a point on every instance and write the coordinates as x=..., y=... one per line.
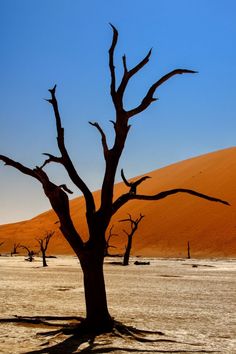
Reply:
x=140, y=335
x=41, y=320
x=76, y=333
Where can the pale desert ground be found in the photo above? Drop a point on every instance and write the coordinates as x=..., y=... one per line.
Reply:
x=191, y=301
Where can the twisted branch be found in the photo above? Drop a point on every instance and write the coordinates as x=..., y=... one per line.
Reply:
x=123, y=199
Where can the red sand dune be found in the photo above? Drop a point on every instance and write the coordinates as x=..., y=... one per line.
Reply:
x=169, y=223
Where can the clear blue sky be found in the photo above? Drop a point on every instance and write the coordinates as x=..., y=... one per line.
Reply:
x=44, y=42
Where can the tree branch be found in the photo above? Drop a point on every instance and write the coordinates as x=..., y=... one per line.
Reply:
x=129, y=73
x=58, y=199
x=26, y=248
x=111, y=63
x=66, y=189
x=126, y=182
x=127, y=197
x=26, y=170
x=133, y=222
x=148, y=99
x=124, y=64
x=50, y=159
x=43, y=242
x=65, y=158
x=133, y=185
x=104, y=139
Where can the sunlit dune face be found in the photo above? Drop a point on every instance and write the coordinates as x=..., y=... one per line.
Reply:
x=169, y=223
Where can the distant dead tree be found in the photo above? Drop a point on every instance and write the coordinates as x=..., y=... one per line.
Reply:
x=91, y=252
x=189, y=255
x=107, y=246
x=133, y=228
x=1, y=243
x=14, y=249
x=43, y=244
x=30, y=253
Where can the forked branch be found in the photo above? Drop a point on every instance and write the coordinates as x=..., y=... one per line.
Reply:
x=127, y=75
x=133, y=185
x=51, y=158
x=117, y=95
x=43, y=242
x=133, y=222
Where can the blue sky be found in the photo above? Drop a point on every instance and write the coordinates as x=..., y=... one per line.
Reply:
x=66, y=42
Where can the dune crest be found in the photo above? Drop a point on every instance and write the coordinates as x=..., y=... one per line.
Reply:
x=169, y=223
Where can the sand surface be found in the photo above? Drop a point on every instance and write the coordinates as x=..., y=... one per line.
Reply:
x=191, y=301
x=169, y=223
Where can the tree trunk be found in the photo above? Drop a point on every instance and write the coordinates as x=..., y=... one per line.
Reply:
x=189, y=255
x=127, y=251
x=44, y=259
x=98, y=318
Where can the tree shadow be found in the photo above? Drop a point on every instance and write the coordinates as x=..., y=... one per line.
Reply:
x=68, y=345
x=71, y=336
x=42, y=320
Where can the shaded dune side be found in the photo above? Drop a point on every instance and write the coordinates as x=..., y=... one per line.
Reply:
x=169, y=223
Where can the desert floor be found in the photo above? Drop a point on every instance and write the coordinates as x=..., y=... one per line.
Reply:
x=191, y=301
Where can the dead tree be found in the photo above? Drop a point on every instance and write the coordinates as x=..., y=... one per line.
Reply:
x=133, y=228
x=14, y=249
x=1, y=243
x=43, y=244
x=30, y=253
x=107, y=245
x=189, y=255
x=91, y=252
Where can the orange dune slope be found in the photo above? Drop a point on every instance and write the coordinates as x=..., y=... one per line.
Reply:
x=168, y=224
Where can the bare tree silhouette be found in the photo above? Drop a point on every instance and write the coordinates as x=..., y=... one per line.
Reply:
x=1, y=243
x=189, y=254
x=91, y=252
x=133, y=228
x=30, y=253
x=15, y=247
x=43, y=244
